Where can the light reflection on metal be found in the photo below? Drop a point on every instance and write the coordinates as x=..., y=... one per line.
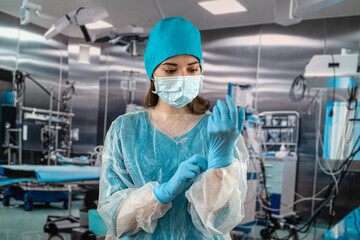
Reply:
x=25, y=48
x=9, y=32
x=231, y=41
x=286, y=40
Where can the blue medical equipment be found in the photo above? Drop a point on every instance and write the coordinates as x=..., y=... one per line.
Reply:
x=33, y=183
x=347, y=228
x=336, y=145
x=280, y=132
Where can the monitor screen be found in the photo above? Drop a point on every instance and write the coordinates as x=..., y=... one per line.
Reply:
x=6, y=78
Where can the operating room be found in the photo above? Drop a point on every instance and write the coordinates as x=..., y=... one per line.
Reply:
x=193, y=119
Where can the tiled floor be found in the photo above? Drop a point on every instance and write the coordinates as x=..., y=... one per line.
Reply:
x=18, y=224
x=314, y=234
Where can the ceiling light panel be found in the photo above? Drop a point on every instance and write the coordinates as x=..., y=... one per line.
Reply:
x=218, y=7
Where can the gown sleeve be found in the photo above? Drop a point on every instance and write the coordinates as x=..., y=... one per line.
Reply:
x=125, y=208
x=216, y=199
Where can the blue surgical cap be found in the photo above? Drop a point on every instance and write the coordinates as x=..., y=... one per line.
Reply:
x=170, y=37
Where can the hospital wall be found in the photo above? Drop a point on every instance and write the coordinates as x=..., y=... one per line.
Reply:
x=116, y=65
x=24, y=48
x=267, y=56
x=52, y=63
x=86, y=74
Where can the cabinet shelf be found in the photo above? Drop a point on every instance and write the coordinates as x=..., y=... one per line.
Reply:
x=280, y=143
x=271, y=127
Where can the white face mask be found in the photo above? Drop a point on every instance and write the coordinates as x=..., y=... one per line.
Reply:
x=179, y=90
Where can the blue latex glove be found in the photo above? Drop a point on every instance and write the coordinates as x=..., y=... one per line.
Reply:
x=224, y=127
x=184, y=176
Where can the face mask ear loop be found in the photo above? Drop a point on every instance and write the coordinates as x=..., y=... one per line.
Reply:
x=155, y=78
x=201, y=82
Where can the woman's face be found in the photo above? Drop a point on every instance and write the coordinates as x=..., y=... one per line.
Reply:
x=180, y=65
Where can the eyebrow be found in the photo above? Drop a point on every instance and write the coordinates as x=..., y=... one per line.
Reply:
x=174, y=64
x=194, y=63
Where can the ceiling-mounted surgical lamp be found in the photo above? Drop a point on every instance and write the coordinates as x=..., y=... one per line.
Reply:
x=80, y=17
x=130, y=36
x=289, y=12
x=25, y=11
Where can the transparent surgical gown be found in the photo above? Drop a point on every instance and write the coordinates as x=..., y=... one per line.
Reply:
x=145, y=148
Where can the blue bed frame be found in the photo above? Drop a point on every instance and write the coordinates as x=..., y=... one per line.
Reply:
x=34, y=183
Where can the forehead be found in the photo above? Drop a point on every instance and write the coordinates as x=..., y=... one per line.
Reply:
x=183, y=58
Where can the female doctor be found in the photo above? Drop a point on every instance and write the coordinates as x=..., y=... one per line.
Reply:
x=174, y=170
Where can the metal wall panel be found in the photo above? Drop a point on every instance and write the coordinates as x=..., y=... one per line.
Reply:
x=114, y=62
x=24, y=48
x=230, y=55
x=86, y=99
x=43, y=60
x=8, y=41
x=271, y=54
x=341, y=33
x=267, y=56
x=46, y=62
x=98, y=85
x=284, y=54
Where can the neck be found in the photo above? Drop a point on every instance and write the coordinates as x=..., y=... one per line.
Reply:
x=163, y=107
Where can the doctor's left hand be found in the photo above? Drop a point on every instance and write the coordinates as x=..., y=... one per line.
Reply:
x=224, y=127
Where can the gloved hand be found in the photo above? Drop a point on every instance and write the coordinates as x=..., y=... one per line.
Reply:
x=184, y=176
x=224, y=127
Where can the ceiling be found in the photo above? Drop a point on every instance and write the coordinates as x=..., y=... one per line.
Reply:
x=143, y=13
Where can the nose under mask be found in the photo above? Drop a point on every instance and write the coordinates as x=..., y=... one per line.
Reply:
x=178, y=91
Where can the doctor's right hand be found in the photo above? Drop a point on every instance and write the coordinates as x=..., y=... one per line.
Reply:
x=183, y=178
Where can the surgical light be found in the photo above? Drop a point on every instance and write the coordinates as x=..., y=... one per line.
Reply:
x=25, y=11
x=80, y=17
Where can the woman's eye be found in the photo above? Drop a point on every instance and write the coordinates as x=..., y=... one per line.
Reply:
x=169, y=70
x=193, y=70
